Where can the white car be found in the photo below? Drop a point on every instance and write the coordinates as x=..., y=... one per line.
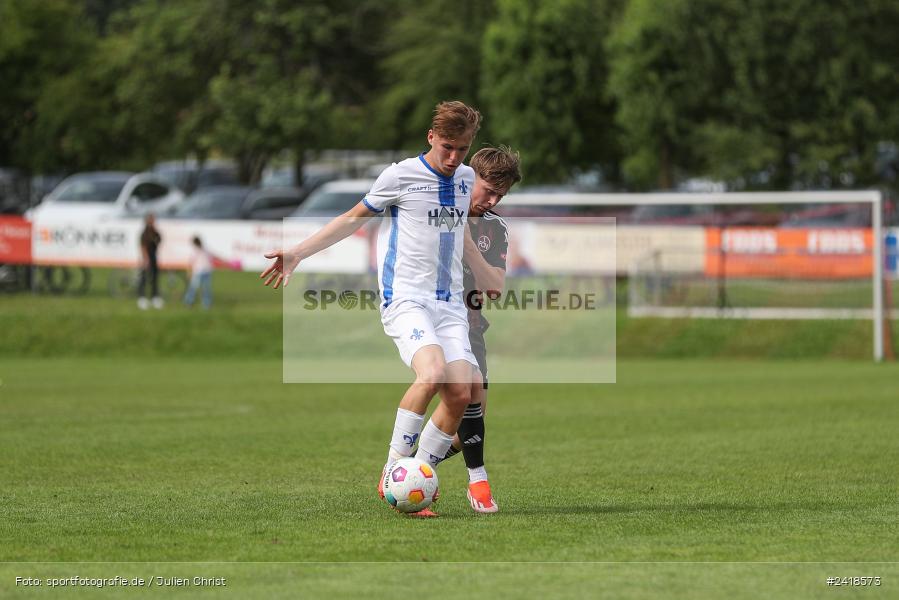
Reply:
x=108, y=195
x=334, y=198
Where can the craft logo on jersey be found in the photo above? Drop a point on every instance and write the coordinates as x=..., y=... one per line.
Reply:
x=446, y=216
x=483, y=243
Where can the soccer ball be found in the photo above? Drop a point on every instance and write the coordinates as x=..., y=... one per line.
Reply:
x=410, y=485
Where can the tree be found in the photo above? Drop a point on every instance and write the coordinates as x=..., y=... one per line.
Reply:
x=817, y=81
x=544, y=85
x=275, y=92
x=39, y=42
x=76, y=127
x=760, y=93
x=668, y=67
x=167, y=54
x=431, y=53
x=135, y=94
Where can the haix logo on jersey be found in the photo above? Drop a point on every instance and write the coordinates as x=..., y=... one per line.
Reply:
x=447, y=216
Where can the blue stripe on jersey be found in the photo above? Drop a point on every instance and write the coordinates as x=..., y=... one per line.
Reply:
x=390, y=259
x=447, y=192
x=370, y=207
x=421, y=157
x=445, y=186
x=445, y=264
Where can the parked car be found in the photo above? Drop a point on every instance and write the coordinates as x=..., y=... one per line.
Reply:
x=538, y=201
x=240, y=202
x=13, y=191
x=829, y=216
x=334, y=198
x=270, y=204
x=314, y=176
x=706, y=215
x=109, y=194
x=190, y=175
x=216, y=202
x=42, y=185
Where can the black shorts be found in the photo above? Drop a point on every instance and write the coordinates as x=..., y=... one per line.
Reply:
x=479, y=349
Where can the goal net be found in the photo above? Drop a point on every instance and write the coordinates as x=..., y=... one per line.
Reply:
x=771, y=255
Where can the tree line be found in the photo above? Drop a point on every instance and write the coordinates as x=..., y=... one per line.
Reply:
x=758, y=93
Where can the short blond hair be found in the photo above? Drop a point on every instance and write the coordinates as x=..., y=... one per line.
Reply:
x=497, y=166
x=454, y=120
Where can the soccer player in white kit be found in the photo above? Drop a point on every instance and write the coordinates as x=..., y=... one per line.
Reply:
x=424, y=201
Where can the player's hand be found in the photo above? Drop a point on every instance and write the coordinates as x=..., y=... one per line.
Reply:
x=280, y=270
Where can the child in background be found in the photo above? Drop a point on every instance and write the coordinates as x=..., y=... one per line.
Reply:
x=200, y=271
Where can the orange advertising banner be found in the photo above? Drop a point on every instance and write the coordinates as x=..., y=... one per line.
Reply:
x=793, y=253
x=15, y=240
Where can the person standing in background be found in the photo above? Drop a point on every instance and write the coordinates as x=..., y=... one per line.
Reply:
x=200, y=272
x=149, y=274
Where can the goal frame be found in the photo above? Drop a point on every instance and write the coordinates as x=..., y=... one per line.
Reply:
x=872, y=197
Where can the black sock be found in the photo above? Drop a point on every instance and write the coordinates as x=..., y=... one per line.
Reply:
x=471, y=434
x=451, y=452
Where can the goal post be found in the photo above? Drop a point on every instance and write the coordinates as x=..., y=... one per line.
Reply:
x=752, y=271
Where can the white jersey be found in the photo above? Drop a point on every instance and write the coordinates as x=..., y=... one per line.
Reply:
x=422, y=234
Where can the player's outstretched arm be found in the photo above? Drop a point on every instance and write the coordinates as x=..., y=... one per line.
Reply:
x=286, y=261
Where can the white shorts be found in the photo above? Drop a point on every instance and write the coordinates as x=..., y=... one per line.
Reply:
x=413, y=324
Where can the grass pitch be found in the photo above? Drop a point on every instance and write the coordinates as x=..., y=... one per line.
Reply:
x=685, y=479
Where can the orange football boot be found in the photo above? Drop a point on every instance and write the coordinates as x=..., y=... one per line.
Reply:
x=480, y=497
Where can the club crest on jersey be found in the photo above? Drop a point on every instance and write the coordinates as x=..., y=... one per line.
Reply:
x=483, y=243
x=463, y=188
x=446, y=216
x=417, y=334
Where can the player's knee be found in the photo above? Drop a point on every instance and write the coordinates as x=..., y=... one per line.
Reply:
x=432, y=375
x=459, y=396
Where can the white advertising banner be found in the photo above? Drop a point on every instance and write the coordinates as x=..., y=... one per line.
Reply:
x=243, y=244
x=536, y=246
x=679, y=249
x=85, y=243
x=553, y=246
x=238, y=244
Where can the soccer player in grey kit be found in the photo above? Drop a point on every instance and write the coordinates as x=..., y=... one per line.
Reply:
x=484, y=263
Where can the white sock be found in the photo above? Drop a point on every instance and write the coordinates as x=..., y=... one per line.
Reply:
x=405, y=433
x=476, y=475
x=433, y=444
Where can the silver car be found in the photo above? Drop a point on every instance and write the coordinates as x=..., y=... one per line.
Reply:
x=108, y=195
x=334, y=198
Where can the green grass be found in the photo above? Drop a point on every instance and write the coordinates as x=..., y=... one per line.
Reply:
x=246, y=320
x=681, y=463
x=166, y=439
